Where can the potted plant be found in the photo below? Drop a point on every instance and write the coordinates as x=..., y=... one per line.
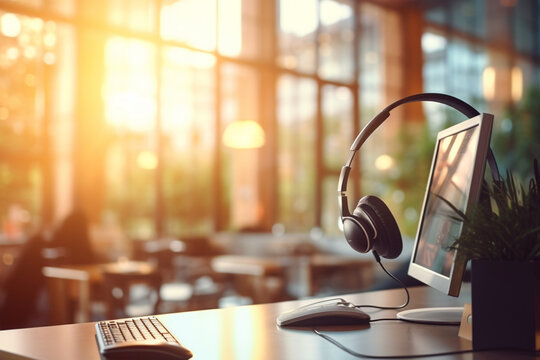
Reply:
x=501, y=235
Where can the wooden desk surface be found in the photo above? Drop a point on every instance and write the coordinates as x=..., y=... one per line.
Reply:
x=250, y=332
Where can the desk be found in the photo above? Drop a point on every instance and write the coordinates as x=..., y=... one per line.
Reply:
x=250, y=332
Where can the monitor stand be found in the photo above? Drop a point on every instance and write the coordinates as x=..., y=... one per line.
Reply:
x=435, y=316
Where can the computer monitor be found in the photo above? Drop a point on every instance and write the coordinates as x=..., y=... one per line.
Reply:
x=456, y=175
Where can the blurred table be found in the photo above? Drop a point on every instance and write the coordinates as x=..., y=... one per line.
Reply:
x=249, y=265
x=309, y=270
x=71, y=287
x=335, y=266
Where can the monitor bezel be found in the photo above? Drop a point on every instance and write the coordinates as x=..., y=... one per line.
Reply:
x=451, y=285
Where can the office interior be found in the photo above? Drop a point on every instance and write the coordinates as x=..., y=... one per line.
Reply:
x=161, y=156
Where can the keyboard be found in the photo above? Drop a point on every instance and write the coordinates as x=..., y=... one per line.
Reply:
x=135, y=337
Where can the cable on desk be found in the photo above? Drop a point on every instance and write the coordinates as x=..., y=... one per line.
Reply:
x=384, y=319
x=378, y=259
x=444, y=353
x=367, y=356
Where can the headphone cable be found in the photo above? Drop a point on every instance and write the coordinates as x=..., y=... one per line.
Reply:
x=378, y=259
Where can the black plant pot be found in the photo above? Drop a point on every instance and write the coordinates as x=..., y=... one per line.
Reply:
x=506, y=304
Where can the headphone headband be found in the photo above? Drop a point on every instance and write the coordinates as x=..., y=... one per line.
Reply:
x=451, y=101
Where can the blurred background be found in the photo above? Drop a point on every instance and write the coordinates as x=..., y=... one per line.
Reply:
x=192, y=148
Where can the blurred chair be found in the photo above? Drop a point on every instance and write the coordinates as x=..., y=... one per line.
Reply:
x=22, y=288
x=69, y=294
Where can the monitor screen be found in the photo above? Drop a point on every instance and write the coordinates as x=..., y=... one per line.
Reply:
x=456, y=175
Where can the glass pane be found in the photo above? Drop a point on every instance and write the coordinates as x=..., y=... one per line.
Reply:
x=508, y=24
x=27, y=57
x=380, y=157
x=240, y=101
x=434, y=47
x=129, y=93
x=452, y=67
x=241, y=25
x=330, y=217
x=469, y=16
x=187, y=137
x=20, y=203
x=337, y=107
x=296, y=113
x=138, y=15
x=62, y=95
x=23, y=58
x=192, y=22
x=466, y=65
x=297, y=35
x=370, y=62
x=526, y=18
x=336, y=40
x=230, y=22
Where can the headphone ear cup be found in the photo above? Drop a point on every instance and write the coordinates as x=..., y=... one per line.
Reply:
x=354, y=229
x=387, y=240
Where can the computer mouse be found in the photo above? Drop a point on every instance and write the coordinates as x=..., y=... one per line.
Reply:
x=324, y=314
x=155, y=350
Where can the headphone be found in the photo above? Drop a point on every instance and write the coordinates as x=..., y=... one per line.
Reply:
x=372, y=226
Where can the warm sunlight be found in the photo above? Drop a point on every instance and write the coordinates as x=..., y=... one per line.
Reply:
x=147, y=160
x=10, y=25
x=130, y=85
x=517, y=83
x=332, y=12
x=488, y=83
x=230, y=27
x=298, y=17
x=456, y=147
x=384, y=162
x=193, y=22
x=190, y=21
x=244, y=134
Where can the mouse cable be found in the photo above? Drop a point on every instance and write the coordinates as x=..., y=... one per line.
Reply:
x=378, y=259
x=445, y=353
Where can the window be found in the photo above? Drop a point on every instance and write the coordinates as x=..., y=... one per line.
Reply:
x=297, y=156
x=187, y=139
x=33, y=64
x=119, y=106
x=129, y=95
x=336, y=40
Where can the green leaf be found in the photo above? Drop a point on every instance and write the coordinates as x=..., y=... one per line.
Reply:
x=506, y=226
